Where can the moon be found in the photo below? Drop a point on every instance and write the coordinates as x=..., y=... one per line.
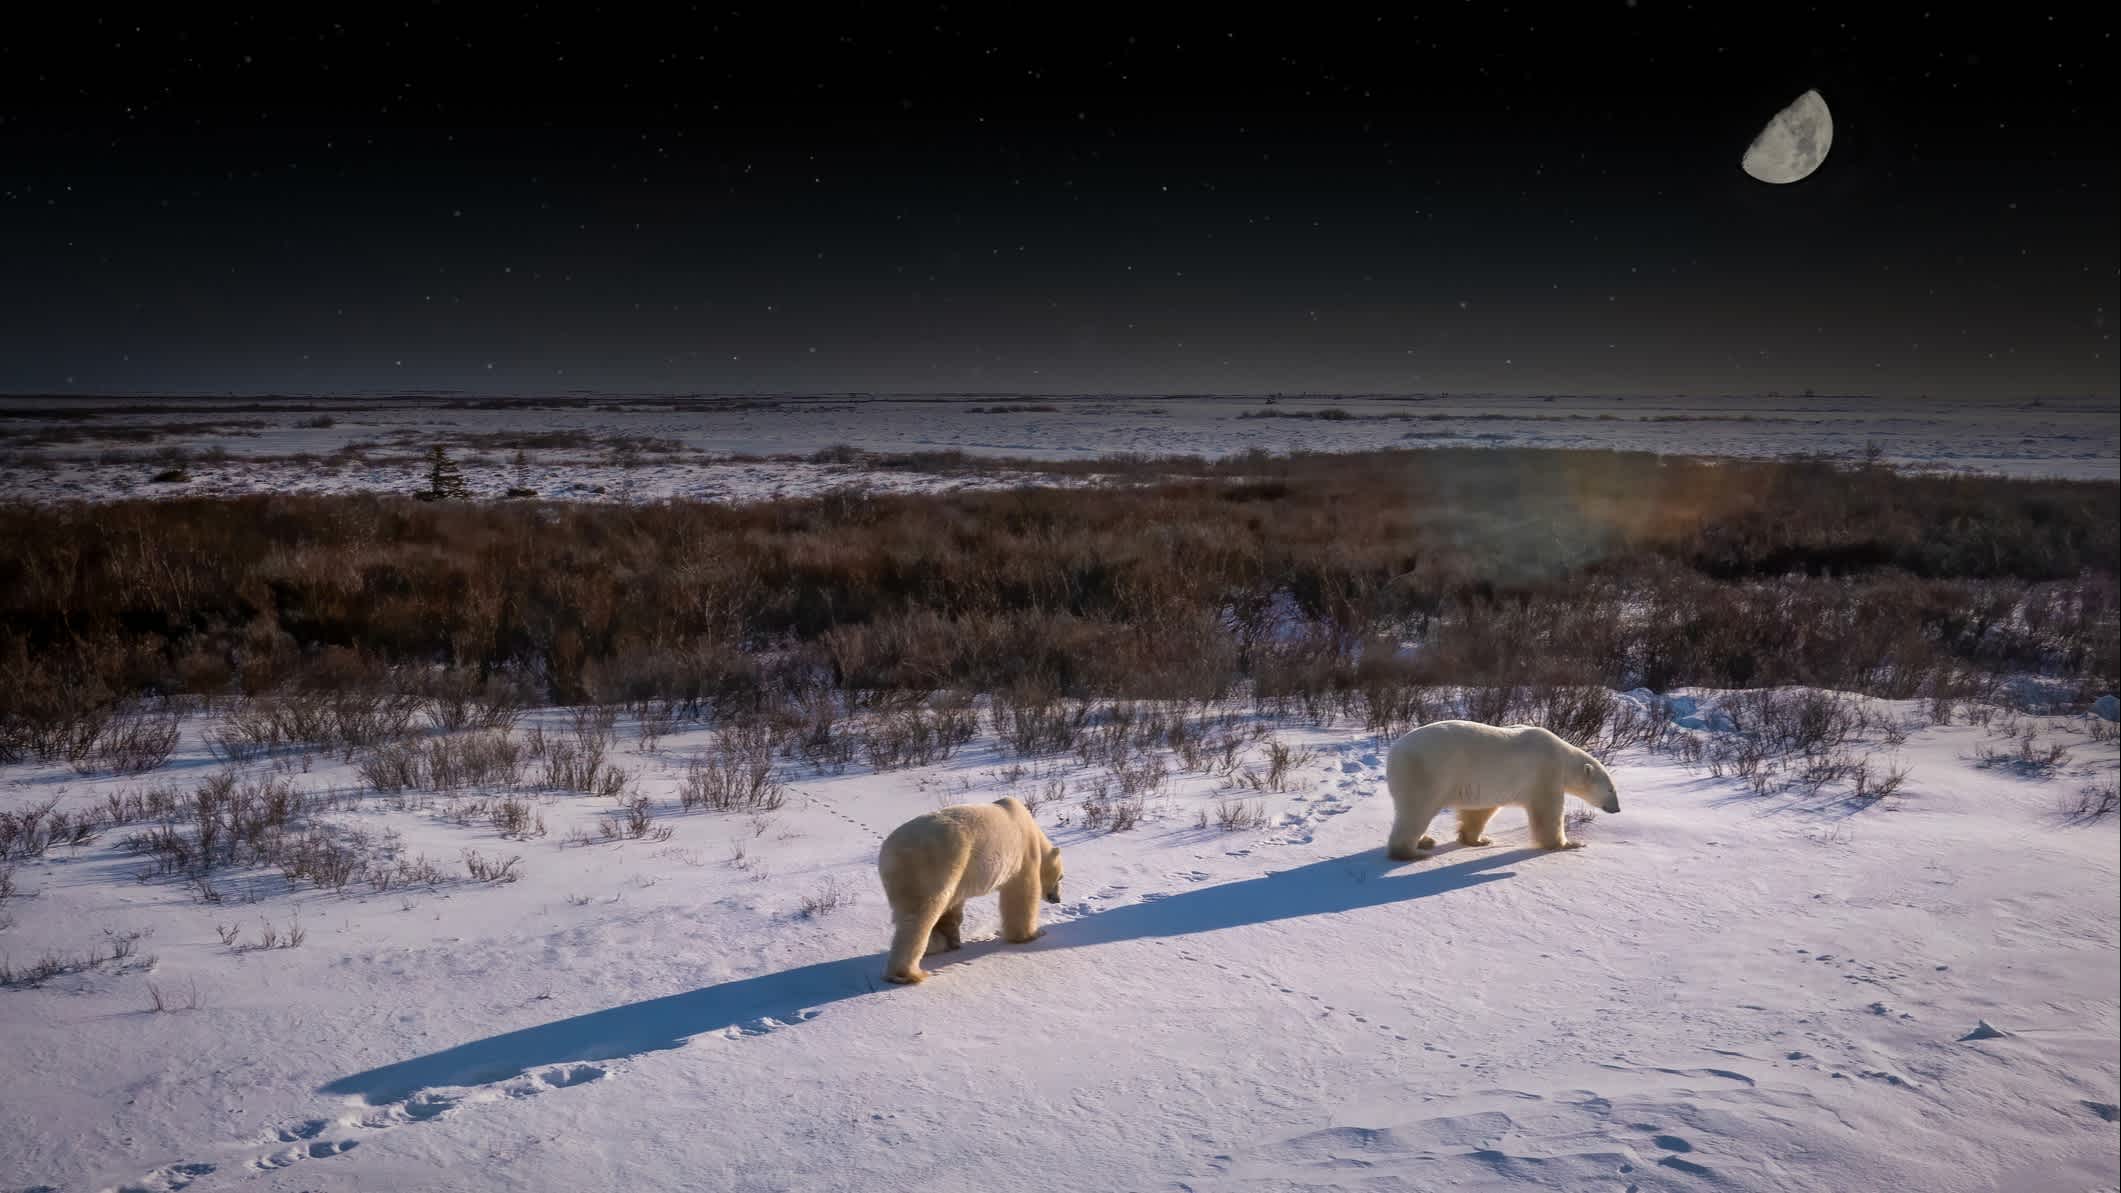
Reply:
x=1794, y=143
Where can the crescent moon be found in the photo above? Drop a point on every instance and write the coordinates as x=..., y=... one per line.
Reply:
x=1794, y=143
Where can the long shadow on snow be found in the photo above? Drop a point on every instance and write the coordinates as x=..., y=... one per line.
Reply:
x=1320, y=888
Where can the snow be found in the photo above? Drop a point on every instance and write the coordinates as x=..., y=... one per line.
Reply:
x=56, y=458
x=1722, y=990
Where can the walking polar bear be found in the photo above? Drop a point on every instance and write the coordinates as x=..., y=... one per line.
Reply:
x=931, y=864
x=1478, y=769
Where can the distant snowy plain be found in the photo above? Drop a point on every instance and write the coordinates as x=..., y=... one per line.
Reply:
x=648, y=448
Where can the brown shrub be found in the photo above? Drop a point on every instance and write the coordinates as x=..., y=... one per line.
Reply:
x=1504, y=569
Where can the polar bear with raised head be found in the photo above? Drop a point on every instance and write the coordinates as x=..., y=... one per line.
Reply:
x=931, y=864
x=1478, y=769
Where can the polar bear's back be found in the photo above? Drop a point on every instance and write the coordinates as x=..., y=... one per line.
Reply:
x=1466, y=758
x=979, y=845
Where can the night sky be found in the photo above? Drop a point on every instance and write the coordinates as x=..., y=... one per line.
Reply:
x=1026, y=199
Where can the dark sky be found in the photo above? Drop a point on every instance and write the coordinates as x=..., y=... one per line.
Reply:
x=1024, y=198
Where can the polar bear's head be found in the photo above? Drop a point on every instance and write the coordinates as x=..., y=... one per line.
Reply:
x=1595, y=786
x=1049, y=874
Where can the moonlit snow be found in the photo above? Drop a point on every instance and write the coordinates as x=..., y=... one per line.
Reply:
x=1720, y=990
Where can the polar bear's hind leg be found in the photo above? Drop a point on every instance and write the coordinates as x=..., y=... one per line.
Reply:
x=951, y=926
x=910, y=934
x=1472, y=822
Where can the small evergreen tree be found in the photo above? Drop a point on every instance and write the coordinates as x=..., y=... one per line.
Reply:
x=522, y=488
x=444, y=482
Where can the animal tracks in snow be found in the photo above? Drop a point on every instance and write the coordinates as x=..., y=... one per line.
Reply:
x=1322, y=1008
x=168, y=1179
x=1356, y=776
x=320, y=1139
x=1635, y=1130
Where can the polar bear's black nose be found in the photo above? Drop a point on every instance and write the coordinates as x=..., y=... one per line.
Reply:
x=1053, y=897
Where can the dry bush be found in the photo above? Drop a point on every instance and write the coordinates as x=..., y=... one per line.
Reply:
x=811, y=721
x=1498, y=567
x=1870, y=785
x=1495, y=704
x=577, y=762
x=2028, y=757
x=32, y=830
x=1576, y=713
x=130, y=744
x=913, y=735
x=235, y=821
x=415, y=871
x=491, y=870
x=1391, y=707
x=271, y=937
x=2096, y=800
x=736, y=774
x=396, y=766
x=343, y=719
x=1126, y=813
x=459, y=700
x=1141, y=777
x=28, y=831
x=829, y=897
x=1034, y=720
x=1035, y=798
x=1814, y=772
x=633, y=822
x=516, y=818
x=1632, y=724
x=247, y=731
x=116, y=948
x=321, y=860
x=1283, y=761
x=654, y=719
x=492, y=759
x=1237, y=815
x=1101, y=809
x=160, y=1002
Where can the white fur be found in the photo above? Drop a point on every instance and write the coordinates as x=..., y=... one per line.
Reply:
x=1477, y=769
x=931, y=864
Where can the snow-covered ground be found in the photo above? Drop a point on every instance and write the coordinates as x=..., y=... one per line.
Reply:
x=1724, y=990
x=683, y=447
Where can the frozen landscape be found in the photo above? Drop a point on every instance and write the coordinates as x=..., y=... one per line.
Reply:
x=513, y=533
x=1782, y=984
x=344, y=938
x=648, y=447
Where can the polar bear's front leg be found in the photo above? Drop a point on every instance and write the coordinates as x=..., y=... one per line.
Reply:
x=1547, y=832
x=1020, y=910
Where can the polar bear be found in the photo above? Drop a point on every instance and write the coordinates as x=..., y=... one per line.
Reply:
x=931, y=864
x=1477, y=769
